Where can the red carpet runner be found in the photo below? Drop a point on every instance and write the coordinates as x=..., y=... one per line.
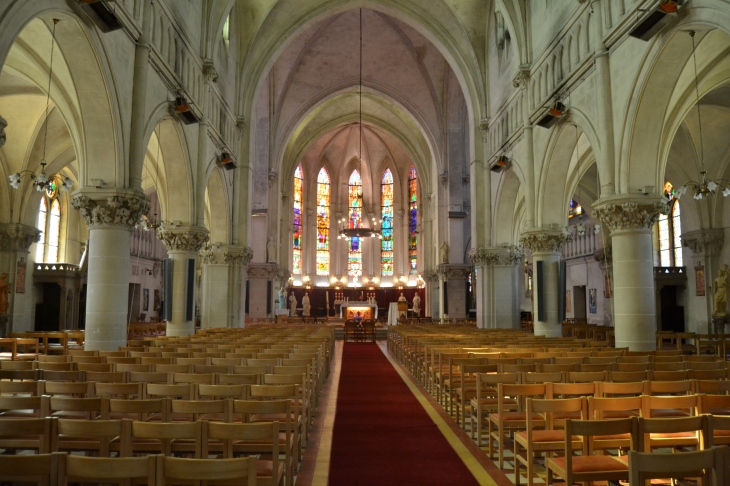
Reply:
x=382, y=434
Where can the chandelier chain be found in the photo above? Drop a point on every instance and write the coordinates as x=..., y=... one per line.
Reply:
x=48, y=93
x=697, y=94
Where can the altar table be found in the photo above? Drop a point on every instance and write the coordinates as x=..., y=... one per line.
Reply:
x=353, y=304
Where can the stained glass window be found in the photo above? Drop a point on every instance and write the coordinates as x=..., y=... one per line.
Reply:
x=386, y=213
x=669, y=230
x=412, y=220
x=354, y=259
x=41, y=225
x=323, y=223
x=574, y=209
x=297, y=223
x=54, y=232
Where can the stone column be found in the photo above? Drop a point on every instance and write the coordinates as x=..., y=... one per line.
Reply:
x=182, y=244
x=110, y=215
x=237, y=258
x=431, y=306
x=15, y=240
x=706, y=246
x=546, y=247
x=456, y=275
x=497, y=286
x=630, y=223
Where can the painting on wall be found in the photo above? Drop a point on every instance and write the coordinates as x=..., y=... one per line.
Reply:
x=592, y=301
x=20, y=277
x=568, y=307
x=157, y=300
x=146, y=300
x=607, y=286
x=699, y=280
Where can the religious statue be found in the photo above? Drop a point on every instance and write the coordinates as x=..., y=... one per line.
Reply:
x=271, y=250
x=402, y=307
x=292, y=305
x=417, y=305
x=306, y=306
x=281, y=299
x=444, y=253
x=721, y=292
x=4, y=292
x=402, y=298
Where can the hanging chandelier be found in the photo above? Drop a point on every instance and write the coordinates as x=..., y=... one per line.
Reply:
x=43, y=181
x=344, y=231
x=704, y=188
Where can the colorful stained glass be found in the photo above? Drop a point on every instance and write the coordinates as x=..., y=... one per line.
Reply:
x=574, y=209
x=297, y=243
x=665, y=257
x=52, y=188
x=386, y=213
x=54, y=232
x=354, y=259
x=323, y=223
x=41, y=225
x=668, y=190
x=412, y=221
x=677, y=230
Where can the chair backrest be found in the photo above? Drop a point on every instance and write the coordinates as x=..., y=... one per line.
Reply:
x=81, y=389
x=714, y=404
x=683, y=387
x=239, y=379
x=718, y=374
x=41, y=469
x=549, y=408
x=673, y=425
x=164, y=434
x=119, y=390
x=184, y=391
x=627, y=376
x=173, y=368
x=585, y=376
x=141, y=410
x=133, y=368
x=27, y=433
x=231, y=433
x=251, y=370
x=117, y=470
x=105, y=376
x=24, y=407
x=568, y=390
x=175, y=470
x=670, y=375
x=644, y=466
x=629, y=367
x=617, y=389
x=591, y=428
x=683, y=403
x=147, y=377
x=33, y=388
x=84, y=408
x=207, y=379
x=102, y=431
x=598, y=406
x=543, y=377
x=196, y=409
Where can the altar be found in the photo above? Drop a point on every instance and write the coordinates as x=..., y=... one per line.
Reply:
x=350, y=308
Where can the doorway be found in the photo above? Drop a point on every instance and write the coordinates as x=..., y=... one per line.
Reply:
x=672, y=314
x=48, y=307
x=134, y=302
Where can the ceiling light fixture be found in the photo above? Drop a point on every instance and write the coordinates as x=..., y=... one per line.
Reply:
x=704, y=188
x=43, y=181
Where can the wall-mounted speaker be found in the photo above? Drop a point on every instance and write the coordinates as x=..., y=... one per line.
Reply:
x=540, y=282
x=190, y=289
x=167, y=289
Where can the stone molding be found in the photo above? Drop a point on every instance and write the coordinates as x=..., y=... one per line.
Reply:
x=704, y=242
x=430, y=276
x=630, y=214
x=111, y=208
x=522, y=77
x=283, y=276
x=484, y=128
x=453, y=271
x=209, y=71
x=189, y=239
x=207, y=254
x=18, y=237
x=487, y=257
x=238, y=255
x=539, y=242
x=268, y=271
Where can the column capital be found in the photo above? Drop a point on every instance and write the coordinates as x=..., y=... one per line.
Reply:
x=268, y=271
x=522, y=77
x=184, y=238
x=604, y=257
x=238, y=255
x=545, y=241
x=484, y=128
x=487, y=257
x=208, y=254
x=18, y=237
x=453, y=271
x=110, y=207
x=627, y=213
x=704, y=242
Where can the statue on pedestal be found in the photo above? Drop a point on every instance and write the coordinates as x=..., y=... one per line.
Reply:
x=271, y=250
x=292, y=305
x=281, y=299
x=4, y=293
x=417, y=305
x=720, y=316
x=444, y=253
x=306, y=306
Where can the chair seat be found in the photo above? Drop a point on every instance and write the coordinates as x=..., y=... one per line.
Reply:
x=545, y=436
x=273, y=417
x=587, y=464
x=674, y=435
x=266, y=468
x=668, y=412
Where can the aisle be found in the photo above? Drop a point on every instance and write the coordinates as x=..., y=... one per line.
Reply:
x=382, y=435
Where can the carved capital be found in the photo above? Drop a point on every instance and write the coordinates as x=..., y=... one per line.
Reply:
x=604, y=256
x=18, y=237
x=453, y=271
x=207, y=254
x=486, y=257
x=3, y=136
x=539, y=242
x=111, y=208
x=430, y=276
x=283, y=276
x=268, y=271
x=707, y=242
x=238, y=256
x=209, y=71
x=484, y=128
x=189, y=239
x=522, y=77
x=625, y=214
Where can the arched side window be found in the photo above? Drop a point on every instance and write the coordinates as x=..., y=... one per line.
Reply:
x=354, y=259
x=49, y=223
x=297, y=222
x=386, y=214
x=227, y=32
x=669, y=230
x=412, y=221
x=323, y=223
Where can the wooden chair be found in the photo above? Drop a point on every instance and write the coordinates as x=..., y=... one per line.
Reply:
x=41, y=469
x=25, y=388
x=603, y=408
x=714, y=404
x=26, y=434
x=584, y=376
x=550, y=439
x=590, y=467
x=24, y=407
x=117, y=470
x=242, y=438
x=193, y=410
x=669, y=406
x=486, y=401
x=174, y=470
x=369, y=329
x=100, y=437
x=166, y=438
x=718, y=430
x=627, y=376
x=505, y=420
x=279, y=392
x=79, y=408
x=145, y=410
x=646, y=466
x=674, y=433
x=81, y=389
x=466, y=388
x=119, y=390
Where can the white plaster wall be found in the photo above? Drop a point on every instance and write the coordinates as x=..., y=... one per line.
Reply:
x=214, y=289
